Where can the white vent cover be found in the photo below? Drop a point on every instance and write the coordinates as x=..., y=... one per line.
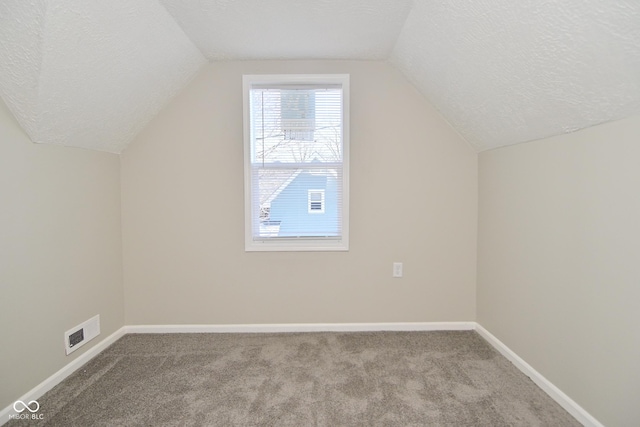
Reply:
x=76, y=337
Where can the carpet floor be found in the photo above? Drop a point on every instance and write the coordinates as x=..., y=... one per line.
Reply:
x=300, y=379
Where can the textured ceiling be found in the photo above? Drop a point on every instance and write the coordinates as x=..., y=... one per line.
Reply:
x=292, y=29
x=91, y=73
x=504, y=71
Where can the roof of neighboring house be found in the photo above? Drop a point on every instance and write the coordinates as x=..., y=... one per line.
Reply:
x=274, y=181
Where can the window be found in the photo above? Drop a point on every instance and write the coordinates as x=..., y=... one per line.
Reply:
x=296, y=162
x=316, y=201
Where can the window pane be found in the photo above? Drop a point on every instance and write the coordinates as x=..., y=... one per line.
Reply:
x=296, y=125
x=287, y=204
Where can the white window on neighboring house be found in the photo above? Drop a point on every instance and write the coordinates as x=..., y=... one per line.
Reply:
x=296, y=133
x=315, y=201
x=297, y=114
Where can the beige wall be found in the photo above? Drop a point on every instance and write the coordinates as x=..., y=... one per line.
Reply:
x=60, y=253
x=413, y=199
x=559, y=262
x=558, y=271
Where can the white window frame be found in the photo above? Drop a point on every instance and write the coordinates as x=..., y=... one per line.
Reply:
x=296, y=244
x=309, y=201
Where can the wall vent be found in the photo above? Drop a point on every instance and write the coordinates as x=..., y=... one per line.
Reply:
x=76, y=337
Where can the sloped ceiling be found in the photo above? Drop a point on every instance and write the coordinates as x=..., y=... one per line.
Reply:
x=505, y=71
x=91, y=73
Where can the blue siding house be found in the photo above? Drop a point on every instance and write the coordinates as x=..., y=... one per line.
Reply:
x=307, y=206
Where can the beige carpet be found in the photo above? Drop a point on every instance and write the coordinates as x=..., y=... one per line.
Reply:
x=302, y=379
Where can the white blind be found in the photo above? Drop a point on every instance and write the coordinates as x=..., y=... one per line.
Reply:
x=296, y=154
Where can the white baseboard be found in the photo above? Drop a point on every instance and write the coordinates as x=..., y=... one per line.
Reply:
x=55, y=379
x=547, y=386
x=554, y=392
x=301, y=327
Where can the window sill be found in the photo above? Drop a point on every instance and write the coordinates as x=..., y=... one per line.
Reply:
x=307, y=245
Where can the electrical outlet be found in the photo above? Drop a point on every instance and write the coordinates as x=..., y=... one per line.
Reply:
x=397, y=269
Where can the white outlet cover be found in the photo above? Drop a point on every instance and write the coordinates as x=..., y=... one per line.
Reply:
x=397, y=269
